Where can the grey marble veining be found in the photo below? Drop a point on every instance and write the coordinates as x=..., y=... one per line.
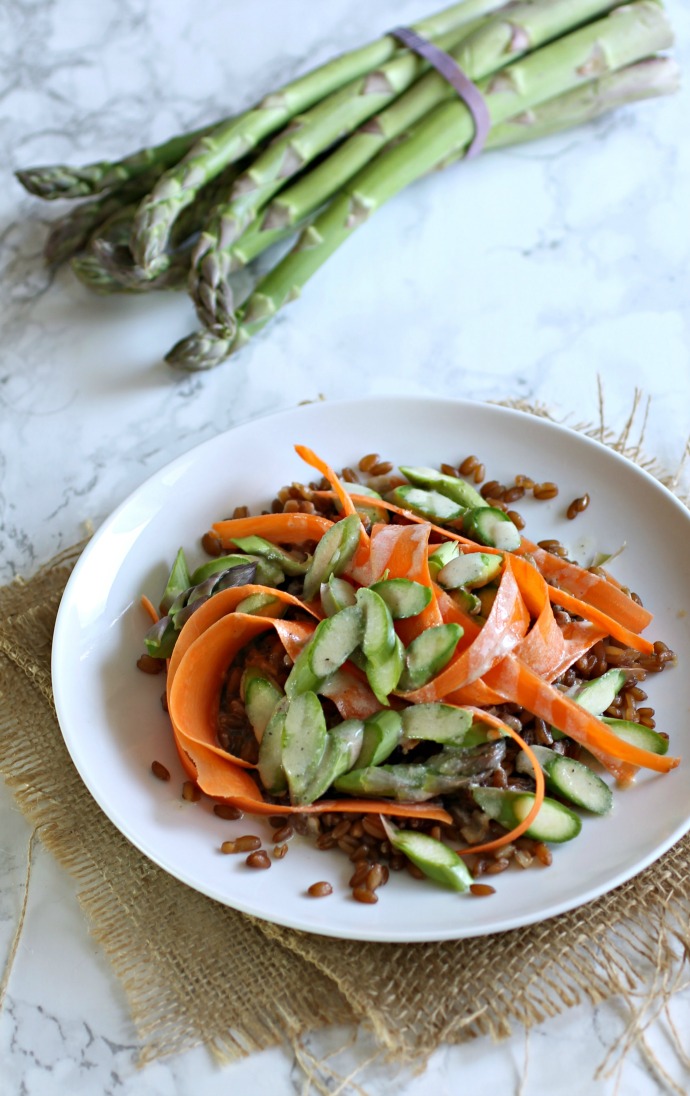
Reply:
x=532, y=273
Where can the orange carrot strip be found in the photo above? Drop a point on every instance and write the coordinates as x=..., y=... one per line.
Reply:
x=471, y=545
x=311, y=458
x=543, y=646
x=579, y=636
x=504, y=628
x=194, y=695
x=516, y=682
x=539, y=791
x=212, y=610
x=597, y=591
x=401, y=551
x=601, y=592
x=611, y=626
x=477, y=693
x=150, y=608
x=347, y=505
x=292, y=528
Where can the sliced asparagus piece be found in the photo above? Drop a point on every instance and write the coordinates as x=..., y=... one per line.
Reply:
x=261, y=697
x=404, y=597
x=492, y=527
x=332, y=554
x=267, y=573
x=441, y=723
x=285, y=561
x=384, y=673
x=459, y=490
x=382, y=733
x=179, y=580
x=431, y=856
x=304, y=744
x=570, y=779
x=439, y=557
x=446, y=772
x=427, y=654
x=554, y=822
x=336, y=594
x=270, y=763
x=427, y=504
x=470, y=570
x=343, y=744
x=333, y=641
x=266, y=605
x=638, y=735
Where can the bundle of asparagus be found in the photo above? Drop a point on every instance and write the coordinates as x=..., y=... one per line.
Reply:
x=316, y=158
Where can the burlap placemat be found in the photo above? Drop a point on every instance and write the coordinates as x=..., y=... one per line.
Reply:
x=196, y=972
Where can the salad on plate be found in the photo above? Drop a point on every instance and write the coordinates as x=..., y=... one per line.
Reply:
x=385, y=663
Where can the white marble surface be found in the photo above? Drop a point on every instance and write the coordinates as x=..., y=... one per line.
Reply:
x=527, y=274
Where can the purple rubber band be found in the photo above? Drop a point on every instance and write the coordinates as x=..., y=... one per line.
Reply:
x=450, y=70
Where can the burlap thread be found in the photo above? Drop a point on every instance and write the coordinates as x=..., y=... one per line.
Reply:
x=196, y=972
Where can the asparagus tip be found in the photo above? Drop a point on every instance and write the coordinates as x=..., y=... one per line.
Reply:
x=199, y=351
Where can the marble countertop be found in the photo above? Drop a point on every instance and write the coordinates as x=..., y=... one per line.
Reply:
x=554, y=272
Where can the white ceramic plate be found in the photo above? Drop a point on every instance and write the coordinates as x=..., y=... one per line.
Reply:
x=114, y=727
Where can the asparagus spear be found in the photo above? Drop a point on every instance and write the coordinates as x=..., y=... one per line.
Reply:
x=111, y=258
x=106, y=271
x=646, y=79
x=491, y=45
x=230, y=141
x=308, y=135
x=71, y=233
x=62, y=181
x=627, y=35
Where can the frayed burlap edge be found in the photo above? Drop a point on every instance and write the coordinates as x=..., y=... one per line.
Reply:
x=164, y=940
x=632, y=943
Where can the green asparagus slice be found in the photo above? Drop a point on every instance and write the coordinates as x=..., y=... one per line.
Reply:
x=332, y=554
x=431, y=856
x=427, y=654
x=455, y=488
x=336, y=594
x=427, y=504
x=570, y=779
x=403, y=596
x=382, y=733
x=266, y=605
x=343, y=744
x=304, y=743
x=627, y=35
x=261, y=697
x=231, y=140
x=554, y=822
